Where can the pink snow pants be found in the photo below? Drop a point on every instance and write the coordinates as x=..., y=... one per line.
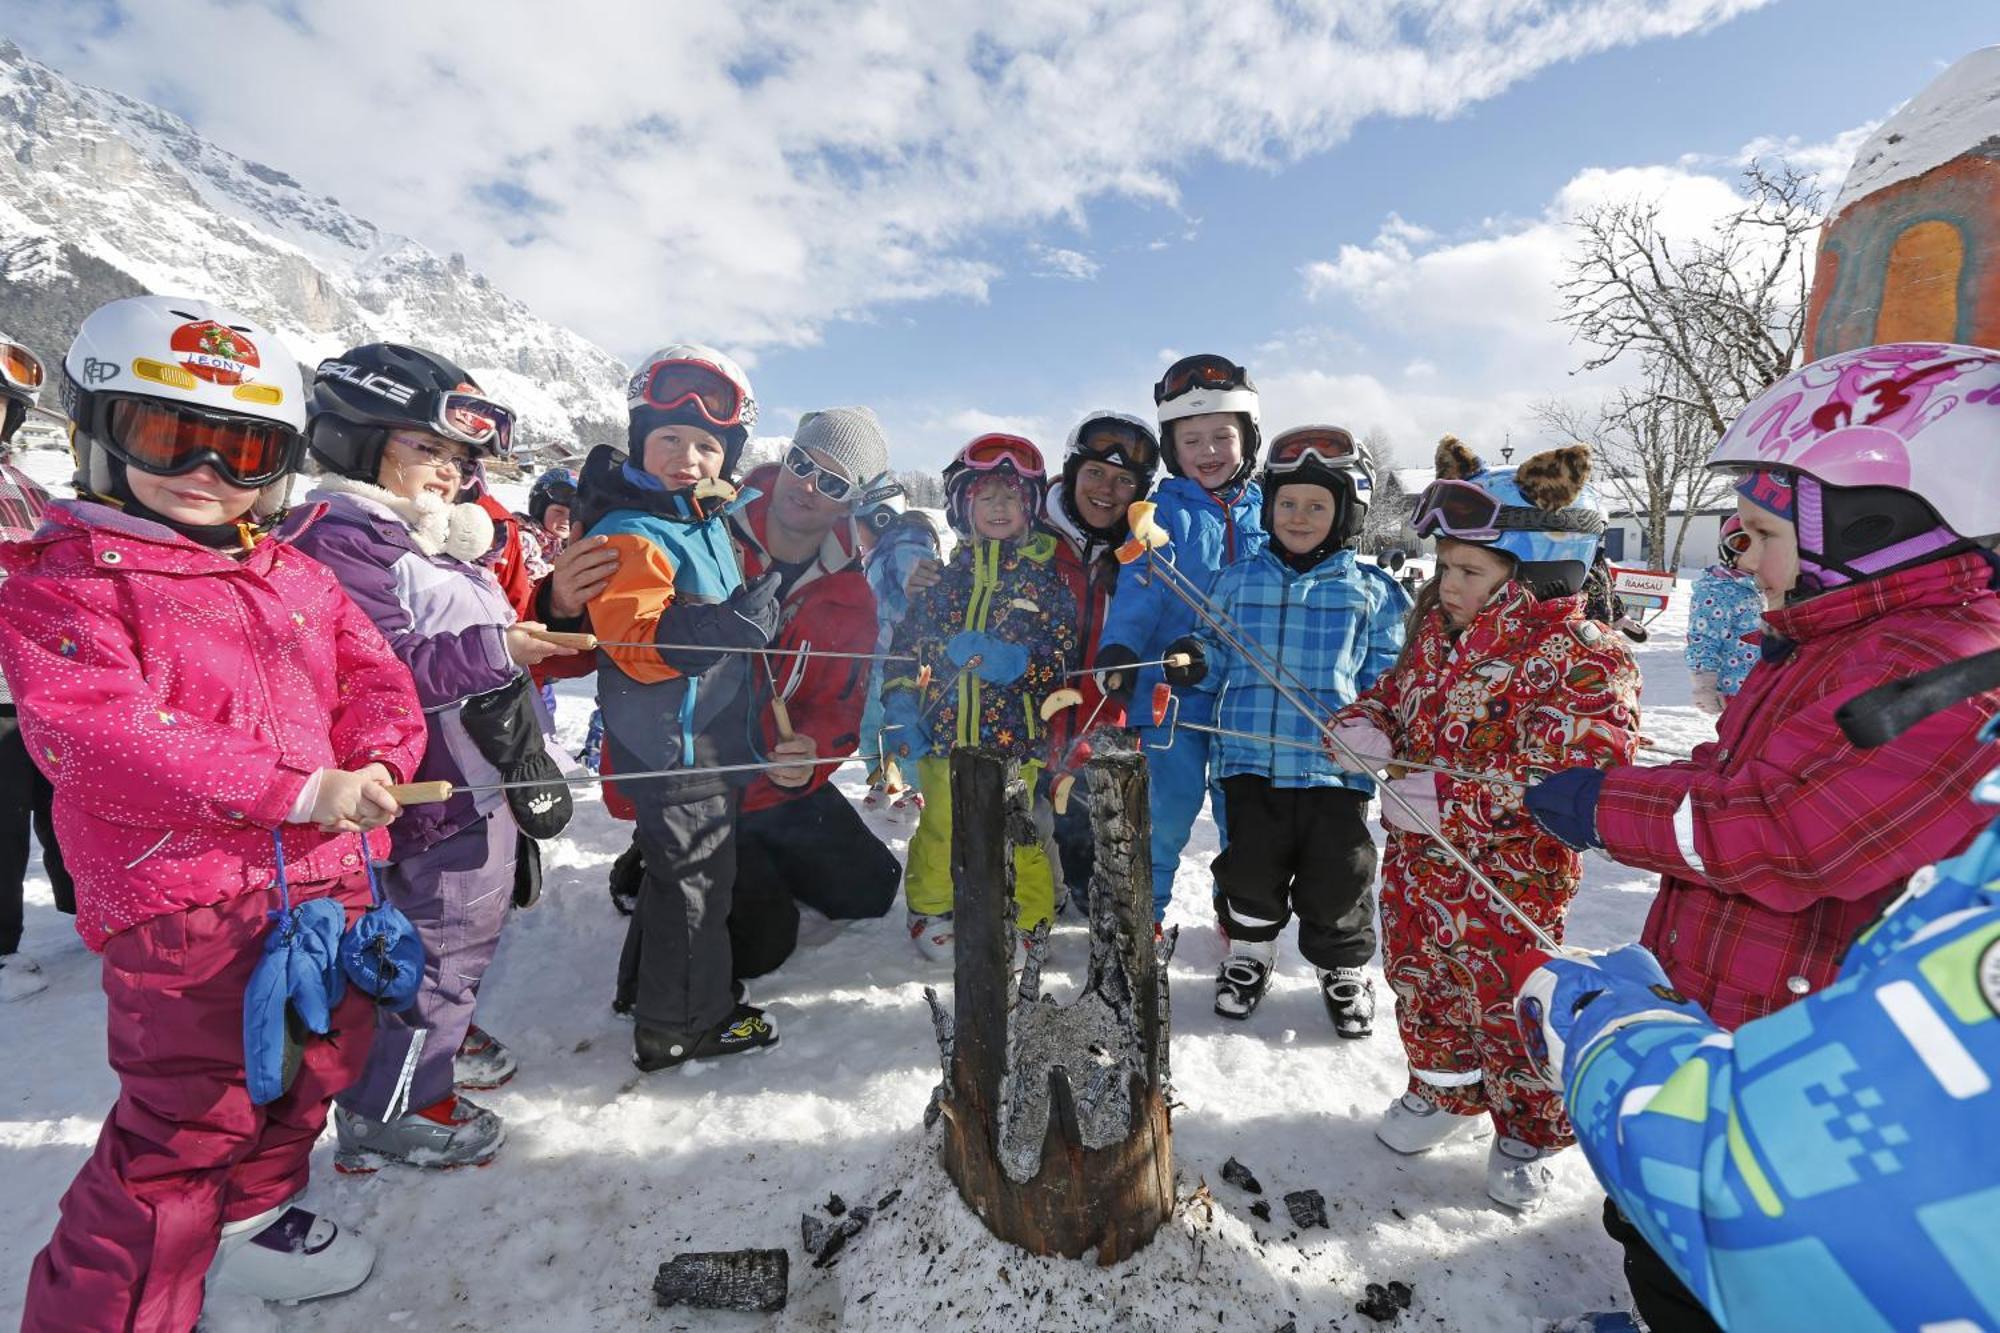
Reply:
x=183, y=1150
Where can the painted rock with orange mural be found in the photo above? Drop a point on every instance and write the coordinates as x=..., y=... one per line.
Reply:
x=1911, y=248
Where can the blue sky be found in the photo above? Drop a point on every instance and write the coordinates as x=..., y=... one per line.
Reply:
x=876, y=203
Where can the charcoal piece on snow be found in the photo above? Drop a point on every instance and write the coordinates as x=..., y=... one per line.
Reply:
x=1261, y=1210
x=835, y=1205
x=1307, y=1207
x=725, y=1280
x=1239, y=1175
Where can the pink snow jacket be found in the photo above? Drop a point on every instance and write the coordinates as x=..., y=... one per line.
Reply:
x=1780, y=840
x=179, y=698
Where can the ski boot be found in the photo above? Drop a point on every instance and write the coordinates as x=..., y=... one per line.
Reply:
x=934, y=935
x=1244, y=977
x=288, y=1255
x=1350, y=1000
x=20, y=977
x=745, y=1029
x=1414, y=1124
x=910, y=803
x=482, y=1063
x=1518, y=1175
x=452, y=1133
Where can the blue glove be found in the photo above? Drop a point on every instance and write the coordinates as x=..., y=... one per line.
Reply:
x=298, y=980
x=1565, y=805
x=908, y=737
x=382, y=955
x=1566, y=1002
x=1000, y=662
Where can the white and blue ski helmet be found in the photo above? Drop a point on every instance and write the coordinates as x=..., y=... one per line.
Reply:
x=1543, y=512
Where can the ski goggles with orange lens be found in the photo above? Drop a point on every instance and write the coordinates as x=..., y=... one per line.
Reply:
x=1119, y=443
x=1735, y=543
x=168, y=439
x=476, y=421
x=991, y=453
x=21, y=369
x=671, y=384
x=1199, y=372
x=1332, y=447
x=1469, y=512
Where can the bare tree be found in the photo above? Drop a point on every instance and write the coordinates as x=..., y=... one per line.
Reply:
x=1711, y=321
x=1388, y=523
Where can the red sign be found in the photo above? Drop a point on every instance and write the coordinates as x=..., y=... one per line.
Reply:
x=214, y=352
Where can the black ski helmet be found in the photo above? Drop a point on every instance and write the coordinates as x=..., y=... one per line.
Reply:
x=366, y=392
x=557, y=486
x=1115, y=438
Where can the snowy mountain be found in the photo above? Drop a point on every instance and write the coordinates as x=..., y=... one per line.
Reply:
x=102, y=196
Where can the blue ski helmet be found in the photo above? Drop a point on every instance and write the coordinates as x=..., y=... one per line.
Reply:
x=1543, y=512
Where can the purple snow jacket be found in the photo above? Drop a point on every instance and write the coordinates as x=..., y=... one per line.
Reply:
x=442, y=614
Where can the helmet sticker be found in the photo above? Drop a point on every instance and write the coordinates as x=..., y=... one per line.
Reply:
x=214, y=352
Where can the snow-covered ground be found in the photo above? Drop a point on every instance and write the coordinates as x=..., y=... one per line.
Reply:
x=607, y=1173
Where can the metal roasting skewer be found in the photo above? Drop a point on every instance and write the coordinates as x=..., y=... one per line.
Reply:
x=430, y=793
x=1375, y=762
x=1220, y=621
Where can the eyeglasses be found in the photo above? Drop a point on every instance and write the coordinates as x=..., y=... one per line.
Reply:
x=1120, y=443
x=434, y=453
x=1330, y=446
x=168, y=439
x=21, y=369
x=1205, y=371
x=823, y=479
x=671, y=384
x=1469, y=512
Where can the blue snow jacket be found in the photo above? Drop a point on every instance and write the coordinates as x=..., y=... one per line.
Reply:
x=1829, y=1166
x=1333, y=629
x=1210, y=531
x=1726, y=606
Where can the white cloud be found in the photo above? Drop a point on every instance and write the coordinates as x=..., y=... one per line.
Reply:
x=746, y=174
x=1054, y=262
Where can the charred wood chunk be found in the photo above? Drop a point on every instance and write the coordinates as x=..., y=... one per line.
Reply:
x=1239, y=1175
x=1307, y=1207
x=725, y=1280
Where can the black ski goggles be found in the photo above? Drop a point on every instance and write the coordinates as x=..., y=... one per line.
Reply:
x=1206, y=371
x=1469, y=512
x=1121, y=444
x=168, y=439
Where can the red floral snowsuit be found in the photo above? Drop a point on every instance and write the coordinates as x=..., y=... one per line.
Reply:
x=1528, y=688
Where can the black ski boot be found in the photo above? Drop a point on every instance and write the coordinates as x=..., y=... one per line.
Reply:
x=1244, y=977
x=746, y=1029
x=1350, y=1000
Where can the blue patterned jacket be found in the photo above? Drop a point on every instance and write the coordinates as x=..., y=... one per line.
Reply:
x=1333, y=630
x=1833, y=1165
x=1725, y=607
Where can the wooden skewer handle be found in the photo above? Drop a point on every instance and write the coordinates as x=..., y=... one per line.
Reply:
x=420, y=793
x=563, y=639
x=783, y=717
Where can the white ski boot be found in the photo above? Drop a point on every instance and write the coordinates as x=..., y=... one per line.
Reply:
x=288, y=1255
x=455, y=1132
x=934, y=935
x=482, y=1063
x=1243, y=978
x=20, y=977
x=1414, y=1124
x=1350, y=1001
x=1518, y=1175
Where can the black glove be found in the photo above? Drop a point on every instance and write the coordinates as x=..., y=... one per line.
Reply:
x=1196, y=670
x=527, y=871
x=1114, y=672
x=505, y=727
x=628, y=872
x=747, y=620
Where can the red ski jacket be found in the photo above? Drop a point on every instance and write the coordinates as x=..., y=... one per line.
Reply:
x=1780, y=840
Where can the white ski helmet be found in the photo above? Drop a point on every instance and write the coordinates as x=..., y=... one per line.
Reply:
x=691, y=385
x=1891, y=455
x=1196, y=385
x=227, y=374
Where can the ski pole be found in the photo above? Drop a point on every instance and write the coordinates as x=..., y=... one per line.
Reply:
x=567, y=640
x=1144, y=545
x=430, y=793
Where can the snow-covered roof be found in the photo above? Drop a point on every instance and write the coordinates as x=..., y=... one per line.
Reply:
x=1957, y=110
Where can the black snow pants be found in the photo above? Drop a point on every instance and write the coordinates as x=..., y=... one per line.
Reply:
x=814, y=850
x=675, y=965
x=1663, y=1301
x=25, y=797
x=1303, y=851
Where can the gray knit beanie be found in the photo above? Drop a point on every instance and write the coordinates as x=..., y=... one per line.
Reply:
x=850, y=437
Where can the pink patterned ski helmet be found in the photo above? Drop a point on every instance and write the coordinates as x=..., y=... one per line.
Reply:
x=1893, y=453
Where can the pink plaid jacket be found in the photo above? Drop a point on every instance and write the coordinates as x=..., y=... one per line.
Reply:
x=1778, y=842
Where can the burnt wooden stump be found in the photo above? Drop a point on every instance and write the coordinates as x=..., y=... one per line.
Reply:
x=1056, y=1128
